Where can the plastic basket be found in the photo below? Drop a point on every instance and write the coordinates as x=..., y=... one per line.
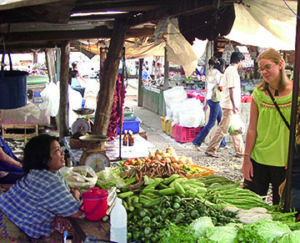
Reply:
x=173, y=131
x=186, y=134
x=205, y=171
x=169, y=127
x=163, y=124
x=133, y=124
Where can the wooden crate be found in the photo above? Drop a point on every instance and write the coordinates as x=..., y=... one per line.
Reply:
x=8, y=134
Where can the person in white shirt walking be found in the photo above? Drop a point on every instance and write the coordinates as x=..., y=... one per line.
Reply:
x=230, y=104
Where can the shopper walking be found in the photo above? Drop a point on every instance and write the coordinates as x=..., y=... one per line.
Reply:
x=230, y=103
x=267, y=141
x=213, y=82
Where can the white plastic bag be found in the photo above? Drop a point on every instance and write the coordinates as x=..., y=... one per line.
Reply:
x=236, y=126
x=80, y=176
x=188, y=113
x=50, y=95
x=174, y=95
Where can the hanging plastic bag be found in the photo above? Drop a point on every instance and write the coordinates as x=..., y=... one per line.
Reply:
x=236, y=126
x=80, y=176
x=50, y=96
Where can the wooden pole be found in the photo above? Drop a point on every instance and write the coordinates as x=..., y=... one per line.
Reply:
x=64, y=92
x=108, y=80
x=166, y=70
x=140, y=90
x=287, y=199
x=121, y=104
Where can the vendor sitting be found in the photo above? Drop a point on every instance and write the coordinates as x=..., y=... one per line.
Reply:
x=10, y=166
x=31, y=207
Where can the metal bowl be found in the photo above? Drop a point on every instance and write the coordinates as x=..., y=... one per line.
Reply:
x=94, y=138
x=84, y=111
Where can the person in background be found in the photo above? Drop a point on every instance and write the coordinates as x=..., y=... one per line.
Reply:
x=230, y=103
x=213, y=78
x=32, y=206
x=267, y=141
x=77, y=80
x=145, y=75
x=10, y=166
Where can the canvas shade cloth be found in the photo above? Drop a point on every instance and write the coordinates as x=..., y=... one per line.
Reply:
x=265, y=23
x=180, y=51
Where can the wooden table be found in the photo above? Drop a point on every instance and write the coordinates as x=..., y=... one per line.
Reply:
x=84, y=227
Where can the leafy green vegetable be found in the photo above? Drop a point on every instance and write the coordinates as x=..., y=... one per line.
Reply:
x=176, y=234
x=262, y=231
x=109, y=177
x=200, y=225
x=222, y=234
x=292, y=237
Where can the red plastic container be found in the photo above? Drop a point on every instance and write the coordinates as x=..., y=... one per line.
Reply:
x=94, y=203
x=186, y=134
x=174, y=131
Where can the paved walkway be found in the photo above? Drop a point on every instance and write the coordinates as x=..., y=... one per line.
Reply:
x=228, y=165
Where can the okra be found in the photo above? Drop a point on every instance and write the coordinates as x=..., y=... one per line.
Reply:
x=152, y=203
x=179, y=189
x=167, y=191
x=167, y=181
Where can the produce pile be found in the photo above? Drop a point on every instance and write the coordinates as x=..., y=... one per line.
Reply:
x=166, y=207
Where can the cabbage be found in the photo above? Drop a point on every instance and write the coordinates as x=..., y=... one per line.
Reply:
x=292, y=237
x=200, y=225
x=222, y=234
x=262, y=231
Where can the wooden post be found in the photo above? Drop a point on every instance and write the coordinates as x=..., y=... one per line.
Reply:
x=166, y=70
x=64, y=93
x=140, y=90
x=103, y=54
x=108, y=80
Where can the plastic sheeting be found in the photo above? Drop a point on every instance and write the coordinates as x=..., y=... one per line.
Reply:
x=265, y=23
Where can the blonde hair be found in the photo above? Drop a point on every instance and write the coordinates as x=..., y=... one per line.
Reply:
x=275, y=57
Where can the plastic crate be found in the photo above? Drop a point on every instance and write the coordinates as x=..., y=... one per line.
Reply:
x=133, y=124
x=173, y=131
x=186, y=134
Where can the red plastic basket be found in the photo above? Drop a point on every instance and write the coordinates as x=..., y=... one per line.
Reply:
x=174, y=131
x=186, y=134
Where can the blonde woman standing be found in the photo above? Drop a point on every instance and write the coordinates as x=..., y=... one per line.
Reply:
x=266, y=150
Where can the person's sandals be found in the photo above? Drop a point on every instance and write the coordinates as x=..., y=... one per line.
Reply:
x=198, y=148
x=213, y=155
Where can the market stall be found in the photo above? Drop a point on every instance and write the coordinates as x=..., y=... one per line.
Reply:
x=169, y=197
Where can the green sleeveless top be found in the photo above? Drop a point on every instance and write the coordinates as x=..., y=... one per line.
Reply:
x=272, y=141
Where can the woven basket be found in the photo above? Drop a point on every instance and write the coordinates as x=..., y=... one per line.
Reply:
x=76, y=143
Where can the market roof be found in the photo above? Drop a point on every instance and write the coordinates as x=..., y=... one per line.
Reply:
x=27, y=24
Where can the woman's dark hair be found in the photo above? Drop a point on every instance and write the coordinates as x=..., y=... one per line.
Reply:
x=74, y=65
x=37, y=152
x=220, y=65
x=211, y=62
x=236, y=57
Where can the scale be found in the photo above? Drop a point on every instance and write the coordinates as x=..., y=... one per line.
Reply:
x=83, y=122
x=94, y=155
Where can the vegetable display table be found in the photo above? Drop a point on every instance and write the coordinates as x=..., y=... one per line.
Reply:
x=140, y=149
x=84, y=227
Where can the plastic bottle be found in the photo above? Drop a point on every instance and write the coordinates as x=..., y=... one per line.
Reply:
x=130, y=139
x=125, y=138
x=118, y=223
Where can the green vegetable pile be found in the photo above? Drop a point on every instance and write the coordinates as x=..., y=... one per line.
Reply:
x=177, y=209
